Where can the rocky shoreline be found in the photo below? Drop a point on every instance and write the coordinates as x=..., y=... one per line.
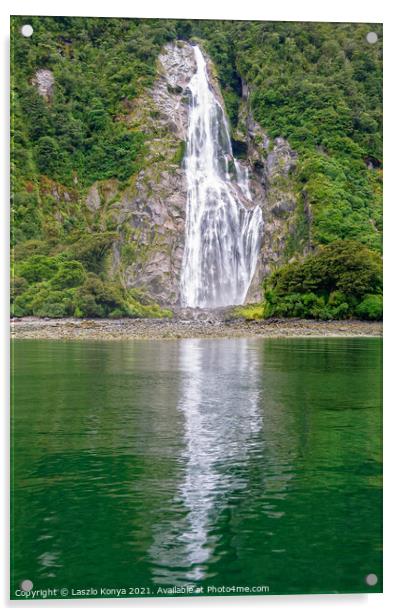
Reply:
x=197, y=326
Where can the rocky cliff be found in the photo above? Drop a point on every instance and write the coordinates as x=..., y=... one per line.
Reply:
x=149, y=214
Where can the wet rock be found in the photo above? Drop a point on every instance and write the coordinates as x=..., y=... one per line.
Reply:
x=204, y=324
x=240, y=148
x=271, y=164
x=177, y=66
x=93, y=200
x=282, y=159
x=282, y=208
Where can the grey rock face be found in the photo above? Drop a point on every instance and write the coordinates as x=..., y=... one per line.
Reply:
x=177, y=65
x=93, y=200
x=156, y=216
x=281, y=160
x=44, y=81
x=283, y=207
x=270, y=167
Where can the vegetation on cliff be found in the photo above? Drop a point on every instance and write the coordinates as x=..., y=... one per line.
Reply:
x=317, y=85
x=62, y=143
x=69, y=283
x=340, y=280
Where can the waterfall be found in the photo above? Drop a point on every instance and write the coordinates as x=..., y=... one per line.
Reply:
x=223, y=227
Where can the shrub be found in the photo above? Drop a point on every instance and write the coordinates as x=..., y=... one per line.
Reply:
x=91, y=248
x=252, y=312
x=344, y=265
x=37, y=268
x=41, y=301
x=18, y=286
x=340, y=305
x=24, y=250
x=293, y=305
x=18, y=310
x=70, y=274
x=86, y=305
x=371, y=308
x=48, y=155
x=116, y=314
x=48, y=303
x=332, y=283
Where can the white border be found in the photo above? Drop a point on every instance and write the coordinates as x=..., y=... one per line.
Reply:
x=291, y=10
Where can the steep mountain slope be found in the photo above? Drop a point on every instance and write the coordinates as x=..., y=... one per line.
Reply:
x=98, y=137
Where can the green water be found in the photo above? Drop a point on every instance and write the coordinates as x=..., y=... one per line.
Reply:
x=204, y=462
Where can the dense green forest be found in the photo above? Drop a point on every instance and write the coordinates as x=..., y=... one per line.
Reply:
x=317, y=85
x=340, y=280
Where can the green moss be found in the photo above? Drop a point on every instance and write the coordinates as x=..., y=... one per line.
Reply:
x=179, y=154
x=252, y=312
x=299, y=236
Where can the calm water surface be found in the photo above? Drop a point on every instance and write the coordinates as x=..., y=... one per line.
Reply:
x=212, y=462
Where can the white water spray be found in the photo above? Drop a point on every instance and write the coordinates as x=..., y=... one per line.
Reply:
x=223, y=228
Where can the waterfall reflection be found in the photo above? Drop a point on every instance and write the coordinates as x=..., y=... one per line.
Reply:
x=219, y=402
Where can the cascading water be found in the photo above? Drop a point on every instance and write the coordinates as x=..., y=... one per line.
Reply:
x=223, y=228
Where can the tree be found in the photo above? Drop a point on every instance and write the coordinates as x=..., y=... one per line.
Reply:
x=48, y=156
x=337, y=281
x=70, y=274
